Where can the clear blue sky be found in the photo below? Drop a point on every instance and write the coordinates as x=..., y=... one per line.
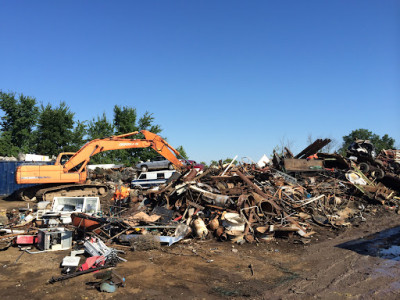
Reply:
x=221, y=77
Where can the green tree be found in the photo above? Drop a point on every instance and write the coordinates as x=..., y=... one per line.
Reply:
x=384, y=142
x=227, y=160
x=17, y=123
x=56, y=132
x=217, y=163
x=6, y=146
x=98, y=128
x=182, y=151
x=214, y=163
x=146, y=122
x=125, y=120
x=78, y=136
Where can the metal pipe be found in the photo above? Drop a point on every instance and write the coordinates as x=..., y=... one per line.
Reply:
x=229, y=165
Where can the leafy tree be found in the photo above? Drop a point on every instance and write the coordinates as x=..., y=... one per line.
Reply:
x=17, y=124
x=145, y=123
x=125, y=120
x=98, y=128
x=214, y=163
x=182, y=151
x=6, y=146
x=384, y=142
x=49, y=130
x=225, y=161
x=78, y=134
x=55, y=130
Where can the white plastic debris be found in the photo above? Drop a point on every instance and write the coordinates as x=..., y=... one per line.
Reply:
x=355, y=178
x=70, y=261
x=264, y=160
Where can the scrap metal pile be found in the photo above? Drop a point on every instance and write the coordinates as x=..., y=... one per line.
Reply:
x=242, y=202
x=250, y=204
x=253, y=203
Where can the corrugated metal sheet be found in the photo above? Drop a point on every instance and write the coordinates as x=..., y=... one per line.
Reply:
x=7, y=177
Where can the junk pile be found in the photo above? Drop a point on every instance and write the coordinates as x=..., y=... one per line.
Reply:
x=64, y=225
x=242, y=202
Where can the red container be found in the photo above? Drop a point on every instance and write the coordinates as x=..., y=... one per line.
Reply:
x=25, y=240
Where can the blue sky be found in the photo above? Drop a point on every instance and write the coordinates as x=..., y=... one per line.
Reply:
x=222, y=78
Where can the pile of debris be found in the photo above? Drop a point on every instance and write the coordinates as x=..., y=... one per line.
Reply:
x=254, y=203
x=241, y=203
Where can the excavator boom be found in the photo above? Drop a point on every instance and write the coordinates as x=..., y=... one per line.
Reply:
x=121, y=142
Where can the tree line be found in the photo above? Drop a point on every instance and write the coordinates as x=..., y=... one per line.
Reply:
x=27, y=127
x=30, y=127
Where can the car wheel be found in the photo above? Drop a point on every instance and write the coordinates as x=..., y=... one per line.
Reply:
x=144, y=168
x=171, y=166
x=378, y=174
x=364, y=167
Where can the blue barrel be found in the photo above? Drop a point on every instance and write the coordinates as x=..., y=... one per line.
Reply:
x=7, y=176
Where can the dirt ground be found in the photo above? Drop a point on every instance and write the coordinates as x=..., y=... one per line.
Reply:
x=356, y=263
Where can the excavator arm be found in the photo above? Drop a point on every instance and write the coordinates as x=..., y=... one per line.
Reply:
x=68, y=172
x=121, y=142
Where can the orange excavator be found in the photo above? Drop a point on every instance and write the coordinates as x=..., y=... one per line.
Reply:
x=67, y=177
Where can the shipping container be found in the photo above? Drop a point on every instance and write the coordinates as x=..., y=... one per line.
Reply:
x=7, y=176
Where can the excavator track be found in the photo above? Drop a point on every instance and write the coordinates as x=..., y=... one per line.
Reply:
x=48, y=192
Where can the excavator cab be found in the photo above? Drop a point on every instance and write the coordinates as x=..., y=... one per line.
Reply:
x=63, y=157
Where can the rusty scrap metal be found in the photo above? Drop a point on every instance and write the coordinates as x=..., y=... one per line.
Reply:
x=313, y=148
